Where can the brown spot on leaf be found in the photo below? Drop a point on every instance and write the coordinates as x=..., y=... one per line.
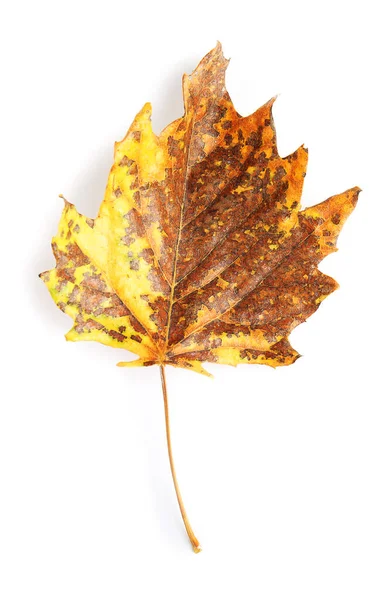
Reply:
x=117, y=336
x=134, y=265
x=136, y=338
x=125, y=162
x=335, y=219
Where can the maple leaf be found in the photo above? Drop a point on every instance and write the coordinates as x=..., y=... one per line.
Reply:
x=200, y=252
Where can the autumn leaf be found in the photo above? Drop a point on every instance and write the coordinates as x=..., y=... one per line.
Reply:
x=200, y=252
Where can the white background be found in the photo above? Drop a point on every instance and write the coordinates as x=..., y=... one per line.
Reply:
x=284, y=472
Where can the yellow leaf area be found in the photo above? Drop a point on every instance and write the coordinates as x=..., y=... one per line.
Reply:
x=200, y=252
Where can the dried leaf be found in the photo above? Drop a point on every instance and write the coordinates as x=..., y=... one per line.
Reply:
x=200, y=252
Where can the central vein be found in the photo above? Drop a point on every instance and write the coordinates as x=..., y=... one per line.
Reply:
x=176, y=251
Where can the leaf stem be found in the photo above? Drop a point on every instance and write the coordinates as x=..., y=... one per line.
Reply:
x=193, y=540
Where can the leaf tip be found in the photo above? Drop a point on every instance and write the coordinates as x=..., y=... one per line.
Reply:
x=139, y=362
x=355, y=191
x=147, y=109
x=218, y=49
x=45, y=275
x=67, y=204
